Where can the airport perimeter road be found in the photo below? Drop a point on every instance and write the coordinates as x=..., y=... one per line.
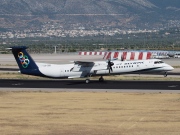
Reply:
x=80, y=84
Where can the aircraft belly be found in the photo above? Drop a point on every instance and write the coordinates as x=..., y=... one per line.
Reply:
x=102, y=72
x=75, y=74
x=51, y=72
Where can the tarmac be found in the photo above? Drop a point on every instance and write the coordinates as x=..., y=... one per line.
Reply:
x=8, y=59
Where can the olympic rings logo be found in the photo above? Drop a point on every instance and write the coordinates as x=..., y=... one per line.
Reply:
x=23, y=59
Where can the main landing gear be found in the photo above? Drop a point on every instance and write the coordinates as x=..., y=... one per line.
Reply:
x=87, y=80
x=101, y=79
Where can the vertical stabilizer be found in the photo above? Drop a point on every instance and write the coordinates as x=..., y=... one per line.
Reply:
x=25, y=62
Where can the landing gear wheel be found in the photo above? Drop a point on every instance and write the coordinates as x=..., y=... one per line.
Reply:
x=87, y=80
x=101, y=79
x=165, y=74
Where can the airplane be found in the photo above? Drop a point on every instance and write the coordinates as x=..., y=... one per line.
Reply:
x=84, y=69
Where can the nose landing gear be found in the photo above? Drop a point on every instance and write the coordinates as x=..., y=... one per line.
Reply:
x=165, y=74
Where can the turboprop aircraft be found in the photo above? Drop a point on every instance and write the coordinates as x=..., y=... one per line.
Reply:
x=84, y=69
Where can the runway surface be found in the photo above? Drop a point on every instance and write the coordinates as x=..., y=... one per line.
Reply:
x=169, y=73
x=94, y=84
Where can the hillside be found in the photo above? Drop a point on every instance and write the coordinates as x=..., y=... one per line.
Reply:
x=91, y=14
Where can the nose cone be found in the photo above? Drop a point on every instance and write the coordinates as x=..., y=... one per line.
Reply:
x=168, y=68
x=171, y=68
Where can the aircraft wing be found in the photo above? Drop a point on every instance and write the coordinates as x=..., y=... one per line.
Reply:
x=84, y=63
x=88, y=66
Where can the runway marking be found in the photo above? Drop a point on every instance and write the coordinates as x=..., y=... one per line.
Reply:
x=17, y=84
x=173, y=86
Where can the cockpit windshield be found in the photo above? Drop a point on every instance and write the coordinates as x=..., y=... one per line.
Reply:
x=158, y=62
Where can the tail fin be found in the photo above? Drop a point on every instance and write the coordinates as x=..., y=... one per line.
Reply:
x=24, y=60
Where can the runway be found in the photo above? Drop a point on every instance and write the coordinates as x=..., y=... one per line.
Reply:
x=94, y=84
x=169, y=73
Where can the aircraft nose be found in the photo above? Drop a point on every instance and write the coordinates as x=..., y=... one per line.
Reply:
x=169, y=68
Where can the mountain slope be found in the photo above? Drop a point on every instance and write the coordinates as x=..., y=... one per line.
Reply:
x=70, y=6
x=125, y=14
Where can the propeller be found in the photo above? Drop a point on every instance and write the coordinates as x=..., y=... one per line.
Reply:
x=110, y=64
x=122, y=58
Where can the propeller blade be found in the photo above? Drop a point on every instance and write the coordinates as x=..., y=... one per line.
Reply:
x=110, y=64
x=122, y=58
x=111, y=69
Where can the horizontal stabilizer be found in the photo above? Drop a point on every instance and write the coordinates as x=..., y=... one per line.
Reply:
x=17, y=48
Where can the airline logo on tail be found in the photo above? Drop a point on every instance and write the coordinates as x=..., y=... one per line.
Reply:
x=23, y=59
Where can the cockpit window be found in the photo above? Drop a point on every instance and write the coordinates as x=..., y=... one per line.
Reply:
x=158, y=62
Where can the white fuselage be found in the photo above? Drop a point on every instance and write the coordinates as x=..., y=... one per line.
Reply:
x=99, y=68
